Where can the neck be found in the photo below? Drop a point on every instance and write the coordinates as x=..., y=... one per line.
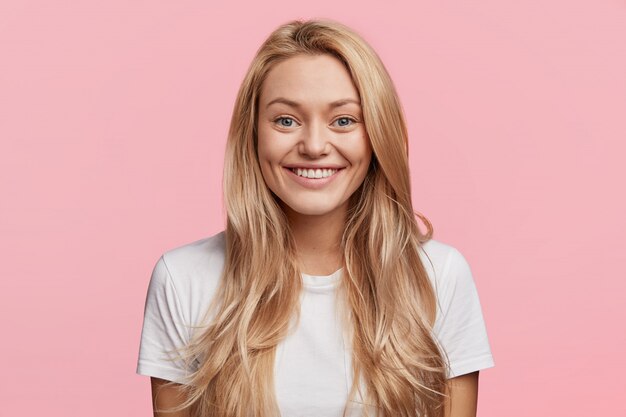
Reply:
x=318, y=240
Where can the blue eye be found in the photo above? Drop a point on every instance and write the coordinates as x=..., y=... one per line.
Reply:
x=344, y=121
x=285, y=121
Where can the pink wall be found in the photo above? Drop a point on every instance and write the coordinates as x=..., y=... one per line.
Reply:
x=113, y=119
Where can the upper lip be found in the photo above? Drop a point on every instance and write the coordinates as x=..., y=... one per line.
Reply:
x=311, y=166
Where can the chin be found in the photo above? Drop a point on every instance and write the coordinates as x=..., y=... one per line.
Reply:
x=312, y=209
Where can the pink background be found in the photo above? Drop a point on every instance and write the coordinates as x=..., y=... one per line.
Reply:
x=113, y=118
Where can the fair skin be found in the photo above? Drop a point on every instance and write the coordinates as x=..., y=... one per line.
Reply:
x=165, y=397
x=310, y=117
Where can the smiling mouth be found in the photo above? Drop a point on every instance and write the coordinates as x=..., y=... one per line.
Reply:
x=314, y=173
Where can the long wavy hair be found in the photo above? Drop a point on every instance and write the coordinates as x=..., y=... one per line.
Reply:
x=390, y=301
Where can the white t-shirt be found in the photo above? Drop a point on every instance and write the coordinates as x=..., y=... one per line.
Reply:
x=313, y=364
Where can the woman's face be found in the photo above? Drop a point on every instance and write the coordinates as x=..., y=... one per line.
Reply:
x=312, y=146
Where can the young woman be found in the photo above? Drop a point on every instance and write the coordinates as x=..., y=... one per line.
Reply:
x=322, y=297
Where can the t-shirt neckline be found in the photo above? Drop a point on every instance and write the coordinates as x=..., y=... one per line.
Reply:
x=321, y=282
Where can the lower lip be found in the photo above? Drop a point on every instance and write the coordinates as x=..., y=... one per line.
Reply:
x=312, y=183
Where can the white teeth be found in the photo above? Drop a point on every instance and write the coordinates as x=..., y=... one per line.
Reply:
x=313, y=173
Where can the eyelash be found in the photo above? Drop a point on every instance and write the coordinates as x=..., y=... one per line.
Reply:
x=278, y=119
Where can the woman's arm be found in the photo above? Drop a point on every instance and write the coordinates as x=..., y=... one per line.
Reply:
x=164, y=397
x=463, y=391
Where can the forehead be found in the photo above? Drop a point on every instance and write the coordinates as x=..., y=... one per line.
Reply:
x=309, y=79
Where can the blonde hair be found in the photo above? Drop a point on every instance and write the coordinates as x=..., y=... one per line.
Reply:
x=386, y=289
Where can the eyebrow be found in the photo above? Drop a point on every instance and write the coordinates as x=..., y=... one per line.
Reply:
x=337, y=103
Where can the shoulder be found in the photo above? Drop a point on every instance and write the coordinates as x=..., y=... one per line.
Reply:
x=196, y=259
x=194, y=271
x=449, y=273
x=440, y=260
x=459, y=326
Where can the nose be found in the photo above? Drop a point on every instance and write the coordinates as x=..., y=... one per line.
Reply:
x=314, y=141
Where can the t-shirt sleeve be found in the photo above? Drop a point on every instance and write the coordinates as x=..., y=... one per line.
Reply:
x=164, y=329
x=460, y=327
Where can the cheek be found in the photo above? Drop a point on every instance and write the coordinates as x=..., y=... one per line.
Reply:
x=270, y=154
x=363, y=157
x=358, y=149
x=270, y=145
x=265, y=150
x=366, y=150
